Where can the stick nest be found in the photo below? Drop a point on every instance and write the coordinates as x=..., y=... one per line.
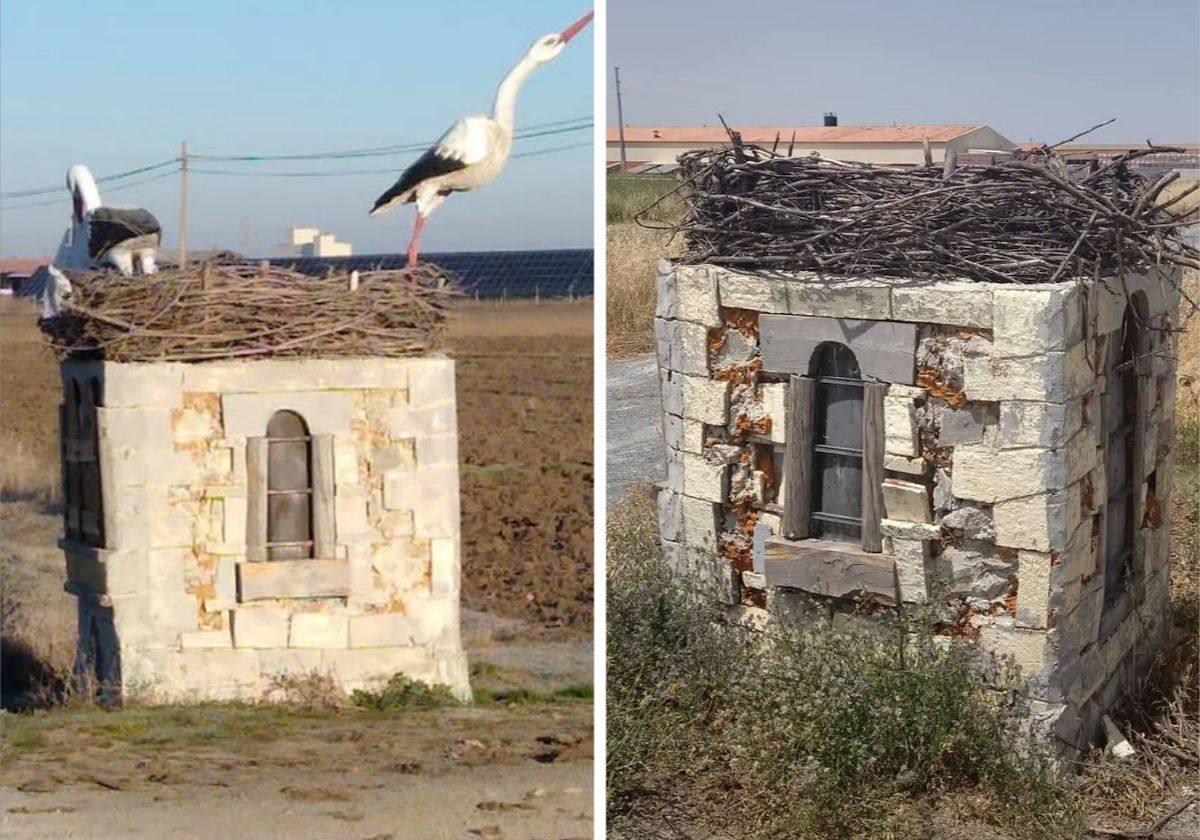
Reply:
x=251, y=311
x=1021, y=221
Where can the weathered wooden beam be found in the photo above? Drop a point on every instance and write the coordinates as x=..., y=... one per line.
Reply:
x=834, y=570
x=293, y=579
x=256, y=499
x=885, y=350
x=797, y=459
x=872, y=467
x=324, y=538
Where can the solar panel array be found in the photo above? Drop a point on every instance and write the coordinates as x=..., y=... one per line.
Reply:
x=482, y=274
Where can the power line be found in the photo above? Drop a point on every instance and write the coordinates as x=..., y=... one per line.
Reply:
x=118, y=188
x=541, y=130
x=128, y=173
x=339, y=173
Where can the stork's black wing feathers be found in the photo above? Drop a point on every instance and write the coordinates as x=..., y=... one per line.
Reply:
x=429, y=165
x=110, y=226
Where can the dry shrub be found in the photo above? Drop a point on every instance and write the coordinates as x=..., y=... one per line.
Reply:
x=862, y=731
x=633, y=255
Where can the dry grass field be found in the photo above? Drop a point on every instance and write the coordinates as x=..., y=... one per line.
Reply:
x=516, y=764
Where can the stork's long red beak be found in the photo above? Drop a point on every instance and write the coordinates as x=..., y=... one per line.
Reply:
x=574, y=29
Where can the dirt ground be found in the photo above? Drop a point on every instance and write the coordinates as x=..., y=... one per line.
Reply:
x=517, y=764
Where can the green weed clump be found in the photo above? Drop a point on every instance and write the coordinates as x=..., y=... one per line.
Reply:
x=864, y=729
x=628, y=195
x=404, y=693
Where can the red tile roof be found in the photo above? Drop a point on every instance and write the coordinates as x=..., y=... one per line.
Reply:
x=22, y=265
x=804, y=133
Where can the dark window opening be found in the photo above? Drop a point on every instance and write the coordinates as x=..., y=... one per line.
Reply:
x=837, y=444
x=1120, y=410
x=289, y=488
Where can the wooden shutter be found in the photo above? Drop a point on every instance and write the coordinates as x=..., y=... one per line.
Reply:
x=797, y=459
x=72, y=489
x=322, y=497
x=256, y=499
x=872, y=466
x=91, y=521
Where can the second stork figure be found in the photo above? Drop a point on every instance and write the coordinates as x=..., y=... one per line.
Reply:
x=476, y=148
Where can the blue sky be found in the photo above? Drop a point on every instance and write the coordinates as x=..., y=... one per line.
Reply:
x=1042, y=69
x=119, y=84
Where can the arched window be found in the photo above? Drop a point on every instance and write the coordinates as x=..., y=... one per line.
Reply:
x=837, y=482
x=82, y=503
x=289, y=488
x=1122, y=459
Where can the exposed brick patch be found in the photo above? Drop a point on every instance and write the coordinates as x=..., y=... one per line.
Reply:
x=744, y=321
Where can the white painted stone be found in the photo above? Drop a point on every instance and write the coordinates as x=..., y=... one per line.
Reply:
x=904, y=464
x=430, y=382
x=260, y=627
x=957, y=304
x=380, y=630
x=688, y=293
x=703, y=480
x=146, y=430
x=1054, y=376
x=900, y=426
x=234, y=520
x=671, y=392
x=662, y=343
x=774, y=400
x=444, y=567
x=705, y=400
x=1033, y=588
x=670, y=517
x=319, y=630
x=325, y=412
x=1025, y=648
x=374, y=373
x=985, y=474
x=205, y=639
x=699, y=523
x=1042, y=522
x=132, y=385
x=909, y=530
x=1030, y=320
x=911, y=557
x=371, y=667
x=193, y=675
x=417, y=420
x=226, y=584
x=868, y=300
x=434, y=451
x=291, y=661
x=689, y=348
x=751, y=291
x=906, y=501
x=345, y=461
x=1039, y=423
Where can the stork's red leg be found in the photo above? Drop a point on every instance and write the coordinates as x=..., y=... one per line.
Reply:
x=414, y=242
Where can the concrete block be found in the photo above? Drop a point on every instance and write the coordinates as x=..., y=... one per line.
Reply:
x=226, y=585
x=906, y=501
x=868, y=300
x=260, y=627
x=698, y=523
x=774, y=400
x=416, y=420
x=671, y=392
x=900, y=426
x=437, y=451
x=705, y=400
x=233, y=528
x=193, y=639
x=370, y=667
x=145, y=430
x=662, y=343
x=375, y=373
x=350, y=514
x=408, y=490
x=319, y=630
x=430, y=382
x=909, y=530
x=325, y=412
x=290, y=661
x=1033, y=588
x=957, y=304
x=963, y=425
x=751, y=291
x=194, y=675
x=1029, y=320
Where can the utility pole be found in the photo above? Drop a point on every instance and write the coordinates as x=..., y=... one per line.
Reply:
x=183, y=219
x=620, y=118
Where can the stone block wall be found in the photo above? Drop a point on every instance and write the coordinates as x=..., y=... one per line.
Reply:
x=994, y=481
x=172, y=606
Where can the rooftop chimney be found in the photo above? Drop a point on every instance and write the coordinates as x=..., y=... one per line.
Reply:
x=830, y=118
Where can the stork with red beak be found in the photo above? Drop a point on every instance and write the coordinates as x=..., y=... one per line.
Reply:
x=476, y=148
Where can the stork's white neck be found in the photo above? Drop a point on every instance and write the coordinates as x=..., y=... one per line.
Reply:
x=82, y=187
x=504, y=111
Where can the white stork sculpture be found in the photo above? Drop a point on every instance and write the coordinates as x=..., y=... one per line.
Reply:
x=475, y=148
x=123, y=237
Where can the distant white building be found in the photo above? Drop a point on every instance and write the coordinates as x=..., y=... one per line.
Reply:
x=310, y=242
